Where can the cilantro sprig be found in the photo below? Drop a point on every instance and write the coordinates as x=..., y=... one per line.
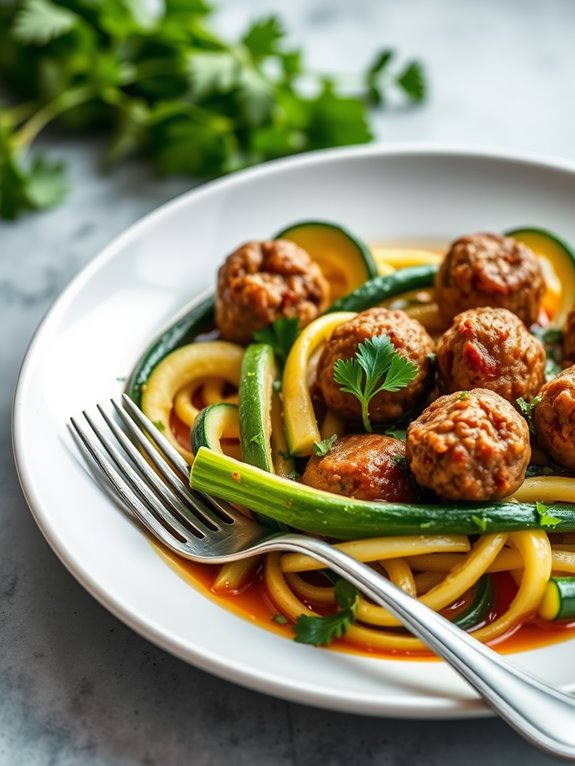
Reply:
x=322, y=448
x=160, y=81
x=324, y=630
x=526, y=408
x=377, y=367
x=280, y=335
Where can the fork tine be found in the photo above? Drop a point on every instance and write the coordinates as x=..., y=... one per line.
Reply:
x=134, y=420
x=139, y=485
x=171, y=538
x=181, y=510
x=168, y=449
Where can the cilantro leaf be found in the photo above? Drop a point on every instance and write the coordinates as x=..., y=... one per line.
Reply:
x=546, y=519
x=46, y=186
x=324, y=630
x=321, y=448
x=280, y=335
x=262, y=37
x=463, y=395
x=39, y=21
x=412, y=82
x=385, y=369
x=526, y=408
x=280, y=619
x=400, y=461
x=480, y=522
x=374, y=90
x=396, y=433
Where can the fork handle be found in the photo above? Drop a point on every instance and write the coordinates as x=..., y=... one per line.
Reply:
x=541, y=714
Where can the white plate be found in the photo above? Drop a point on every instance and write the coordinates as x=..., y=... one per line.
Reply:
x=103, y=320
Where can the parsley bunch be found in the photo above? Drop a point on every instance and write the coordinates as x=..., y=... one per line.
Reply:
x=162, y=84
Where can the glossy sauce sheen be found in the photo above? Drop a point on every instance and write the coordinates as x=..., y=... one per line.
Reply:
x=254, y=604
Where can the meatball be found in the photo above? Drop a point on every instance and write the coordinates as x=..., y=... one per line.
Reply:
x=490, y=270
x=409, y=338
x=262, y=281
x=554, y=418
x=491, y=348
x=364, y=466
x=469, y=446
x=569, y=339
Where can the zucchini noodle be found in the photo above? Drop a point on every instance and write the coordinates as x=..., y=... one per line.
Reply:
x=443, y=571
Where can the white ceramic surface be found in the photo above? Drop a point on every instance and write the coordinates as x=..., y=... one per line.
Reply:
x=99, y=326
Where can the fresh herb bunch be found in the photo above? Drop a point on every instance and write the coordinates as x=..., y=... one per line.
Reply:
x=377, y=367
x=164, y=85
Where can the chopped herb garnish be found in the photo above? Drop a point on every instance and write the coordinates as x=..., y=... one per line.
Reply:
x=546, y=519
x=480, y=522
x=323, y=630
x=526, y=408
x=401, y=461
x=159, y=425
x=280, y=335
x=463, y=395
x=396, y=433
x=280, y=619
x=320, y=449
x=293, y=475
x=552, y=369
x=377, y=367
x=120, y=378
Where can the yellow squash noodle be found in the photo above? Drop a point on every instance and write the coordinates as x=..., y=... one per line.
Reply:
x=546, y=489
x=301, y=424
x=182, y=367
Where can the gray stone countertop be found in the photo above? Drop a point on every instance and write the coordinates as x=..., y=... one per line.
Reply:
x=76, y=685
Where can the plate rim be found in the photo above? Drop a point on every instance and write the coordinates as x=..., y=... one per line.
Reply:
x=278, y=686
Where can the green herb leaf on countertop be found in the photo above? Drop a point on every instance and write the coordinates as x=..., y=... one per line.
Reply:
x=324, y=630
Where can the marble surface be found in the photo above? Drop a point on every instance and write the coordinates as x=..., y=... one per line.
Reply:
x=76, y=685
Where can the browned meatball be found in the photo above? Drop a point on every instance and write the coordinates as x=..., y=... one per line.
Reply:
x=491, y=348
x=569, y=339
x=469, y=446
x=490, y=270
x=364, y=466
x=554, y=418
x=409, y=338
x=262, y=281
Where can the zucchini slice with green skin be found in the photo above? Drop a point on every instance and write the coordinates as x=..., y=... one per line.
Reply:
x=479, y=607
x=381, y=288
x=345, y=518
x=197, y=319
x=345, y=261
x=558, y=602
x=561, y=255
x=211, y=423
x=259, y=370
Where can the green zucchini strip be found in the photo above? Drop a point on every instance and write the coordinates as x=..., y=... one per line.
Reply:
x=477, y=611
x=379, y=289
x=558, y=602
x=345, y=518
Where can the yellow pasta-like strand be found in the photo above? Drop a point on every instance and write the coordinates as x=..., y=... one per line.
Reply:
x=235, y=574
x=301, y=425
x=181, y=367
x=400, y=258
x=462, y=577
x=380, y=548
x=546, y=489
x=317, y=594
x=400, y=574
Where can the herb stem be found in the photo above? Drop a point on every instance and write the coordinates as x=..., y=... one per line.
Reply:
x=30, y=130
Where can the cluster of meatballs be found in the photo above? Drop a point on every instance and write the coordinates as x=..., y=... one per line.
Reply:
x=465, y=439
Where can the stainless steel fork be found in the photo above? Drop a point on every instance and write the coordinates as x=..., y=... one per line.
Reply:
x=203, y=529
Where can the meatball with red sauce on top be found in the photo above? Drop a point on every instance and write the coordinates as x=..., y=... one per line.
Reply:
x=366, y=467
x=469, y=445
x=491, y=348
x=490, y=270
x=263, y=281
x=554, y=418
x=409, y=338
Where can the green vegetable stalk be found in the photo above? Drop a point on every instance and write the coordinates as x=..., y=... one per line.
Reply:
x=166, y=87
